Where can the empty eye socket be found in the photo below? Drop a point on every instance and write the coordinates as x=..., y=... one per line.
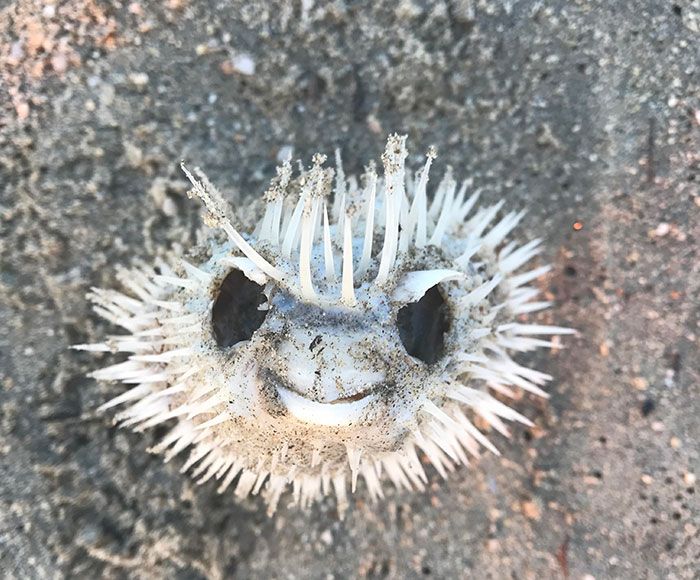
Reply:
x=235, y=315
x=422, y=326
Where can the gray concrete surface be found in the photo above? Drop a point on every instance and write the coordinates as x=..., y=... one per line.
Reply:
x=584, y=112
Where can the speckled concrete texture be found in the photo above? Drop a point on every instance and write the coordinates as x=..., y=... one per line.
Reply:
x=585, y=113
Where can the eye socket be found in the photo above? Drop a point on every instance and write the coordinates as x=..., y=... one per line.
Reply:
x=422, y=326
x=235, y=315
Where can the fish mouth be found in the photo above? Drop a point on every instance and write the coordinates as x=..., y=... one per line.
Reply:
x=336, y=413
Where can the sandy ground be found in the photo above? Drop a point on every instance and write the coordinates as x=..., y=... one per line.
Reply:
x=585, y=113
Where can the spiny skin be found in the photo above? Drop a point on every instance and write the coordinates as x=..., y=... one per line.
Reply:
x=283, y=357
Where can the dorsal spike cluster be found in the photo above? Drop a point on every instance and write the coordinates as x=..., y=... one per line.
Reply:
x=359, y=327
x=402, y=216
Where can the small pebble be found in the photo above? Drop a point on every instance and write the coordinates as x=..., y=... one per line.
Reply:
x=662, y=229
x=243, y=64
x=139, y=80
x=59, y=63
x=530, y=510
x=22, y=110
x=327, y=537
x=285, y=153
x=640, y=383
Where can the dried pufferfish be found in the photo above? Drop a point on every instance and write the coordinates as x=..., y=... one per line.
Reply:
x=342, y=337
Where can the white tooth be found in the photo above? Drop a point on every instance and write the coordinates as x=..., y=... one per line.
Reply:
x=328, y=414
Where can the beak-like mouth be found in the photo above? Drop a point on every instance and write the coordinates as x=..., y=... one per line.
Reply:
x=337, y=413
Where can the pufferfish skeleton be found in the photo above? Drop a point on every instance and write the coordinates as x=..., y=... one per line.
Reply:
x=357, y=331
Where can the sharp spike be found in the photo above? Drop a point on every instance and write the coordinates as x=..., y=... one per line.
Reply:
x=370, y=195
x=536, y=329
x=472, y=247
x=185, y=283
x=264, y=229
x=431, y=408
x=354, y=458
x=467, y=425
x=340, y=486
x=340, y=189
x=478, y=294
x=276, y=221
x=374, y=486
x=532, y=307
x=390, y=239
x=502, y=229
x=437, y=203
x=348, y=290
x=196, y=273
x=433, y=453
x=393, y=159
x=328, y=247
x=292, y=232
x=217, y=218
x=463, y=211
x=307, y=233
x=526, y=277
x=444, y=219
x=233, y=471
x=517, y=258
x=245, y=483
x=417, y=216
